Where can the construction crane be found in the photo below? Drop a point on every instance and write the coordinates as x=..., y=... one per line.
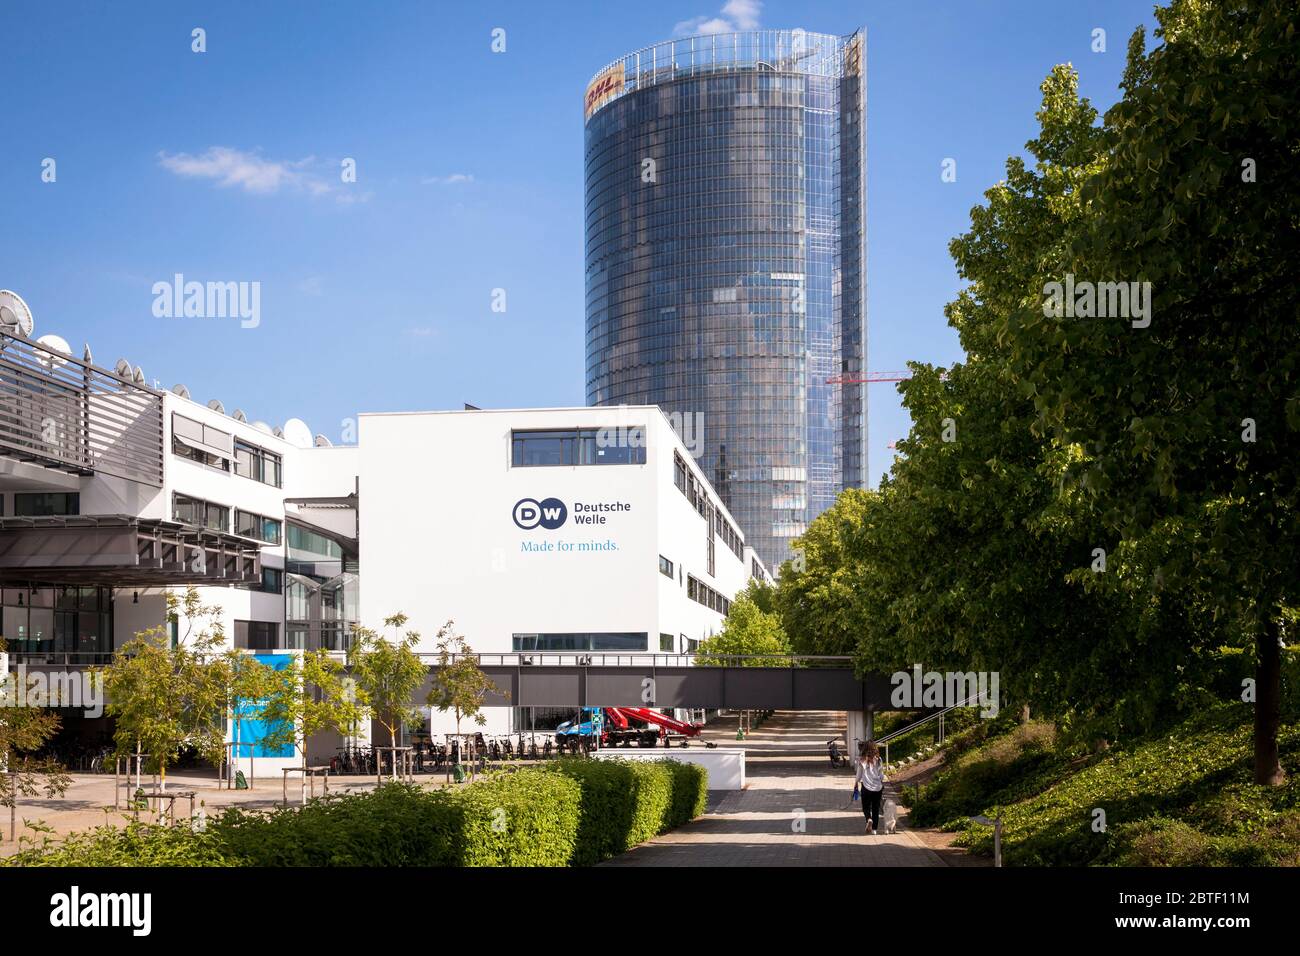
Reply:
x=868, y=377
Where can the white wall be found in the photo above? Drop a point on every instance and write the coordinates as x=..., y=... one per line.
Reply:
x=439, y=541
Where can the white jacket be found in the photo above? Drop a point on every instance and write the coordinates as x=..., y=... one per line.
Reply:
x=870, y=775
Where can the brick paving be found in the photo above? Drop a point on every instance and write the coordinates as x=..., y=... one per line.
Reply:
x=796, y=810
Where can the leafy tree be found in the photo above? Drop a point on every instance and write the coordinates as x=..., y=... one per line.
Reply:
x=24, y=730
x=249, y=685
x=165, y=697
x=314, y=695
x=747, y=632
x=816, y=592
x=1187, y=424
x=459, y=684
x=387, y=675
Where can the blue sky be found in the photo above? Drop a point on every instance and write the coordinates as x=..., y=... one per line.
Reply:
x=376, y=295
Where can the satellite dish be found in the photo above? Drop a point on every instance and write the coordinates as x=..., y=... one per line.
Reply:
x=239, y=415
x=297, y=433
x=181, y=390
x=216, y=406
x=53, y=352
x=15, y=316
x=123, y=369
x=263, y=427
x=323, y=442
x=138, y=376
x=277, y=432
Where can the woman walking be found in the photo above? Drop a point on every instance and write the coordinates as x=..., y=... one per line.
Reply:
x=869, y=782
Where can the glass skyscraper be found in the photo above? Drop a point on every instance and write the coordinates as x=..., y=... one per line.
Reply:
x=725, y=261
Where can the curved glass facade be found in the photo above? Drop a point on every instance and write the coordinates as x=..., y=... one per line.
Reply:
x=725, y=253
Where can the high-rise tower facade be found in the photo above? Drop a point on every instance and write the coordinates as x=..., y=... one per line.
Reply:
x=725, y=261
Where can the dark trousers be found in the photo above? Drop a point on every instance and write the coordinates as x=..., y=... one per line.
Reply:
x=871, y=807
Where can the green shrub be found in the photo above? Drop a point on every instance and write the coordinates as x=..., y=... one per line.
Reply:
x=576, y=812
x=139, y=844
x=626, y=802
x=394, y=825
x=690, y=792
x=525, y=818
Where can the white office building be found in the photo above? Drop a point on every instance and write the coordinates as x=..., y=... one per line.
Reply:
x=580, y=529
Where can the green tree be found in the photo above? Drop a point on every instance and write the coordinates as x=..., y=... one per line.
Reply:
x=459, y=684
x=387, y=675
x=1186, y=419
x=24, y=730
x=748, y=632
x=164, y=696
x=313, y=695
x=249, y=685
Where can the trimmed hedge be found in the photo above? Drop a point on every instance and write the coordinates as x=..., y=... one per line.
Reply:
x=574, y=812
x=626, y=802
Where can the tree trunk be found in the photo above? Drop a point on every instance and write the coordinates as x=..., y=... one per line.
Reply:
x=1268, y=701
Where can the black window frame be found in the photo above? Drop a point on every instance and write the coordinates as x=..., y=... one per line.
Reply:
x=71, y=503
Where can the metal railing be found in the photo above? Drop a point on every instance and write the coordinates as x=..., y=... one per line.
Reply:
x=514, y=659
x=924, y=722
x=645, y=659
x=66, y=413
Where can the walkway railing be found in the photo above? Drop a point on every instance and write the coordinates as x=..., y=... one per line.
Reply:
x=924, y=722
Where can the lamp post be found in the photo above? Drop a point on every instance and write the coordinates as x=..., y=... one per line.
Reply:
x=997, y=835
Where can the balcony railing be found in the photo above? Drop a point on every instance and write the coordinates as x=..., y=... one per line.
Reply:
x=65, y=413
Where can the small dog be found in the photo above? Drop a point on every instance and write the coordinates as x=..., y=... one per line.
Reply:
x=889, y=813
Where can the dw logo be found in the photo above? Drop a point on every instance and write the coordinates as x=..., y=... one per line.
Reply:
x=550, y=513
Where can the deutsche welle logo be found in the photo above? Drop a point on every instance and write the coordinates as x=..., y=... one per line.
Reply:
x=550, y=513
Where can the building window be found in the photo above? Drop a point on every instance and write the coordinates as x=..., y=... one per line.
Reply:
x=258, y=464
x=201, y=443
x=578, y=446
x=199, y=513
x=251, y=525
x=36, y=505
x=304, y=543
x=701, y=593
x=679, y=473
x=272, y=581
x=257, y=635
x=581, y=642
x=666, y=643
x=665, y=567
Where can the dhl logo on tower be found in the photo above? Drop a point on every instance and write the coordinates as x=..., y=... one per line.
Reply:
x=603, y=89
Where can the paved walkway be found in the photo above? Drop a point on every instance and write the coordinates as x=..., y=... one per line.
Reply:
x=796, y=811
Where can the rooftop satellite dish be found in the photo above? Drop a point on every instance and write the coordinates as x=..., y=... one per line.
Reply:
x=54, y=352
x=181, y=390
x=15, y=316
x=297, y=433
x=216, y=406
x=323, y=442
x=239, y=415
x=138, y=375
x=263, y=427
x=123, y=369
x=277, y=432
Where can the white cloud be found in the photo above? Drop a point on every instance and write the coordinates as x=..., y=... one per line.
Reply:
x=255, y=174
x=734, y=16
x=455, y=179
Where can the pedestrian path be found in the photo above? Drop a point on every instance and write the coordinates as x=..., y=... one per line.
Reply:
x=796, y=811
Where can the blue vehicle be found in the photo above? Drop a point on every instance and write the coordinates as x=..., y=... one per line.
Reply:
x=586, y=731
